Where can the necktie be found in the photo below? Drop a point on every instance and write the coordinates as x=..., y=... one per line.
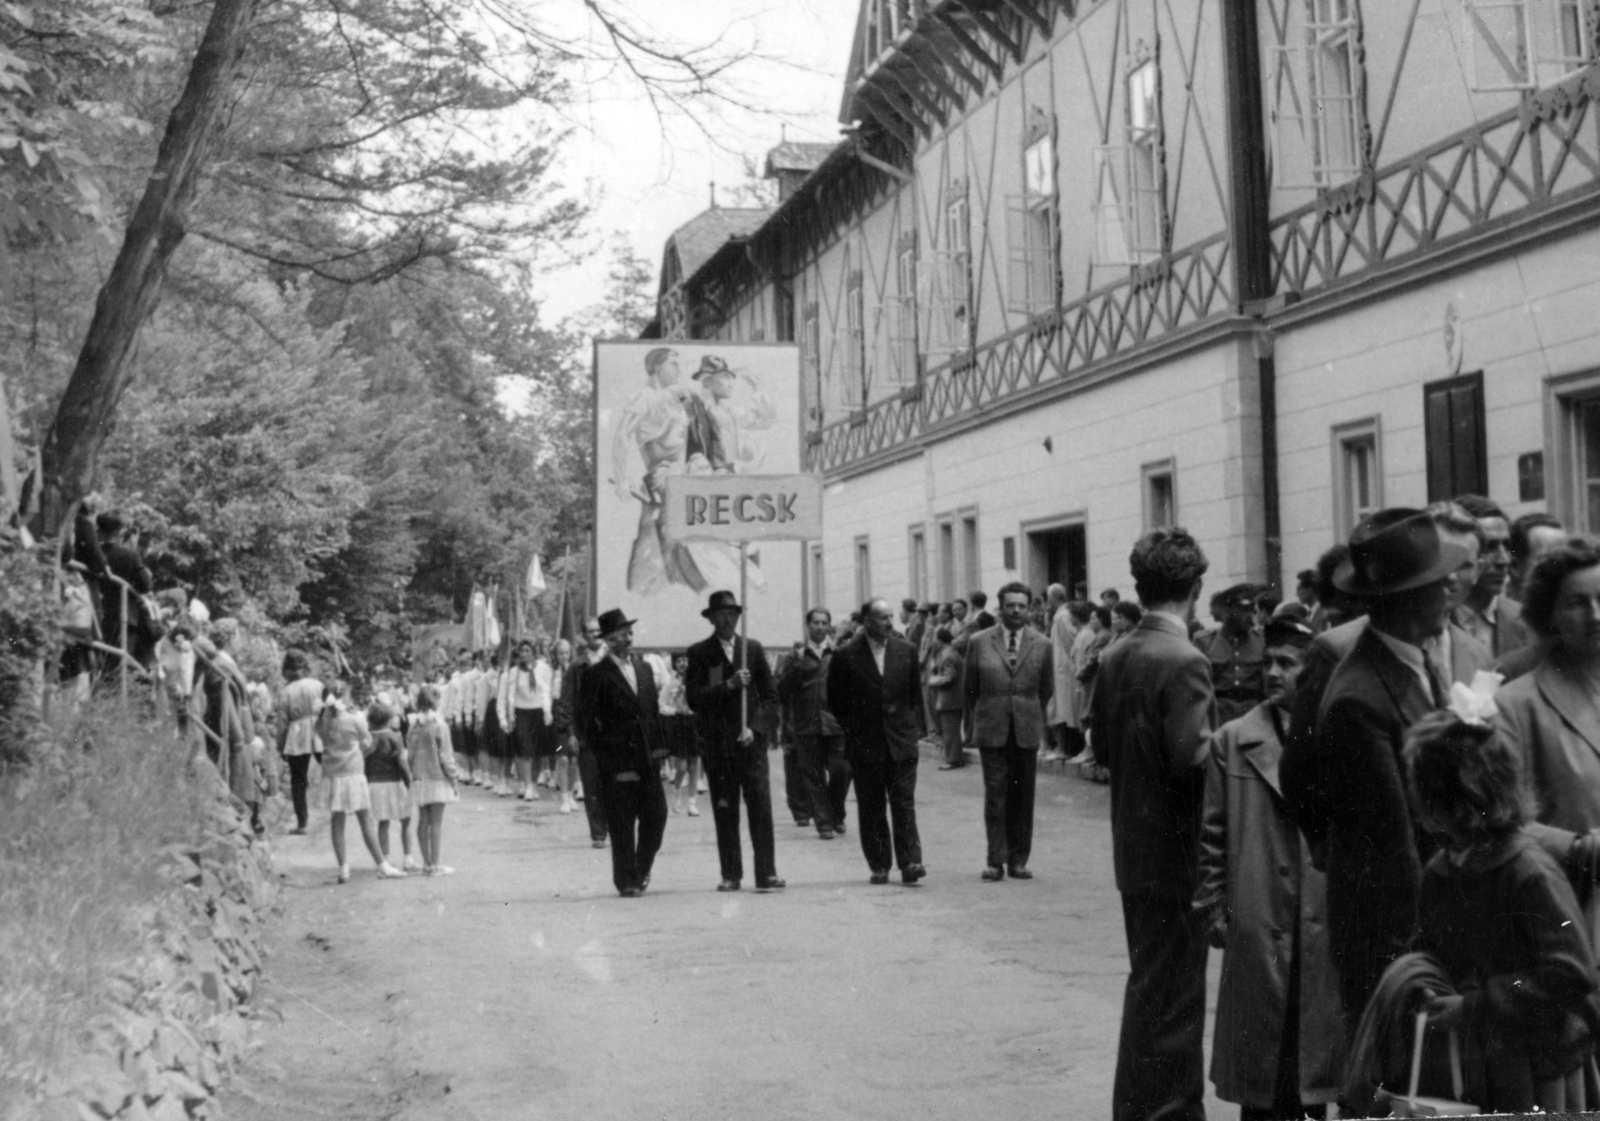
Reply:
x=1011, y=648
x=1440, y=681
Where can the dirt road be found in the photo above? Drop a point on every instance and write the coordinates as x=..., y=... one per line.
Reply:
x=523, y=986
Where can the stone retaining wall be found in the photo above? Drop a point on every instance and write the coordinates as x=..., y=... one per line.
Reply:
x=177, y=1015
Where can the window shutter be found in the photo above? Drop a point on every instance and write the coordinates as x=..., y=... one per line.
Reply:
x=1110, y=221
x=1454, y=433
x=1499, y=54
x=1018, y=255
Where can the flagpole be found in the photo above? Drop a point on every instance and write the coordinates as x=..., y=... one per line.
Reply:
x=744, y=634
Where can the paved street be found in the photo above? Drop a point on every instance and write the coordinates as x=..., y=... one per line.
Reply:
x=523, y=986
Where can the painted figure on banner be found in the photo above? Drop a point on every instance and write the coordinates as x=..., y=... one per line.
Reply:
x=677, y=430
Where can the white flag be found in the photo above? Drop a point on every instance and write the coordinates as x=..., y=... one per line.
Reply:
x=535, y=576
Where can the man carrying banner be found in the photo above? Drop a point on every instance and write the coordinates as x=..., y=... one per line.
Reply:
x=727, y=678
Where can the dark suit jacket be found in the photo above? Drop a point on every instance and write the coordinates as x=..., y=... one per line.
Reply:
x=878, y=711
x=803, y=687
x=1001, y=697
x=1351, y=782
x=716, y=707
x=620, y=726
x=1151, y=719
x=1467, y=657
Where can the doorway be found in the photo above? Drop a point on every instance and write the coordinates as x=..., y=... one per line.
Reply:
x=1058, y=553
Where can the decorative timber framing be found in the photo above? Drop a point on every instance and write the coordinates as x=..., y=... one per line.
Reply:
x=1507, y=171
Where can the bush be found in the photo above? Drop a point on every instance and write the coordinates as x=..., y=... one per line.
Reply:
x=82, y=832
x=30, y=634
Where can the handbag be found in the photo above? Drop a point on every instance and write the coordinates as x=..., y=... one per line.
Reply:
x=1419, y=1105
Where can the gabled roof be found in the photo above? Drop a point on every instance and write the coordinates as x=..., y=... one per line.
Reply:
x=793, y=155
x=697, y=240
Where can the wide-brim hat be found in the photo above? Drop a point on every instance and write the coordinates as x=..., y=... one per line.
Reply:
x=1394, y=551
x=613, y=621
x=720, y=601
x=709, y=365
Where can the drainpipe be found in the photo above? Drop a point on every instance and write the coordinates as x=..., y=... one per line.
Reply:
x=1248, y=215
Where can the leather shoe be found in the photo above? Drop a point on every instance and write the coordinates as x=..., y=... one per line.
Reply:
x=1019, y=872
x=777, y=883
x=728, y=885
x=951, y=766
x=911, y=873
x=993, y=875
x=599, y=844
x=802, y=822
x=825, y=834
x=631, y=892
x=880, y=877
x=644, y=883
x=838, y=827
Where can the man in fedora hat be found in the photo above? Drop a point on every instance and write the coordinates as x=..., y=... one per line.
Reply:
x=719, y=441
x=1345, y=782
x=619, y=715
x=721, y=669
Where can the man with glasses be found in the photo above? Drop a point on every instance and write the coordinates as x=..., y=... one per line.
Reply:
x=1489, y=615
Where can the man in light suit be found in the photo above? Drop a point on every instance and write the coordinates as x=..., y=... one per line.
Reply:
x=1150, y=718
x=620, y=720
x=874, y=692
x=1007, y=683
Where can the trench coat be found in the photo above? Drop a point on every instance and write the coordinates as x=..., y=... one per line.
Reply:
x=1255, y=869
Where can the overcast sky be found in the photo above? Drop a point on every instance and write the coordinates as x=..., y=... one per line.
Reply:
x=645, y=177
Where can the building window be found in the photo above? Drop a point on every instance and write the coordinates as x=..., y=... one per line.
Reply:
x=903, y=346
x=947, y=559
x=1454, y=433
x=917, y=555
x=1357, y=475
x=946, y=280
x=1527, y=44
x=783, y=312
x=863, y=569
x=1160, y=495
x=852, y=348
x=1572, y=465
x=1129, y=200
x=816, y=582
x=811, y=363
x=971, y=570
x=1031, y=236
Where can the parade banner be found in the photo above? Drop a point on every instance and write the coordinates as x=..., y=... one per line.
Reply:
x=743, y=508
x=692, y=409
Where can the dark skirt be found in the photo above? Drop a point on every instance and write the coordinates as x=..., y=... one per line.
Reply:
x=683, y=738
x=491, y=737
x=530, y=732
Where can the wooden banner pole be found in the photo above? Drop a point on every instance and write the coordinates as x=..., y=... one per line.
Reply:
x=744, y=635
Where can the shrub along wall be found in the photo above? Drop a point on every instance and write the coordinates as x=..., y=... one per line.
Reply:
x=130, y=995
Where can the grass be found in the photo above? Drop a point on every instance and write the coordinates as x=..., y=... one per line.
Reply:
x=81, y=836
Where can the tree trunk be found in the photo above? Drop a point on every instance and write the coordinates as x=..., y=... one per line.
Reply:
x=130, y=294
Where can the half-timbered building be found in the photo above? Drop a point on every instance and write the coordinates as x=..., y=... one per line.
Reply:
x=1077, y=269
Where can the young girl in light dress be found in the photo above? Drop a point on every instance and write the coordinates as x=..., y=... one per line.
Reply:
x=433, y=776
x=389, y=780
x=345, y=744
x=1502, y=919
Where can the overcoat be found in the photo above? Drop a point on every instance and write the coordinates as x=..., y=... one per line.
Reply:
x=622, y=727
x=1256, y=870
x=1553, y=722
